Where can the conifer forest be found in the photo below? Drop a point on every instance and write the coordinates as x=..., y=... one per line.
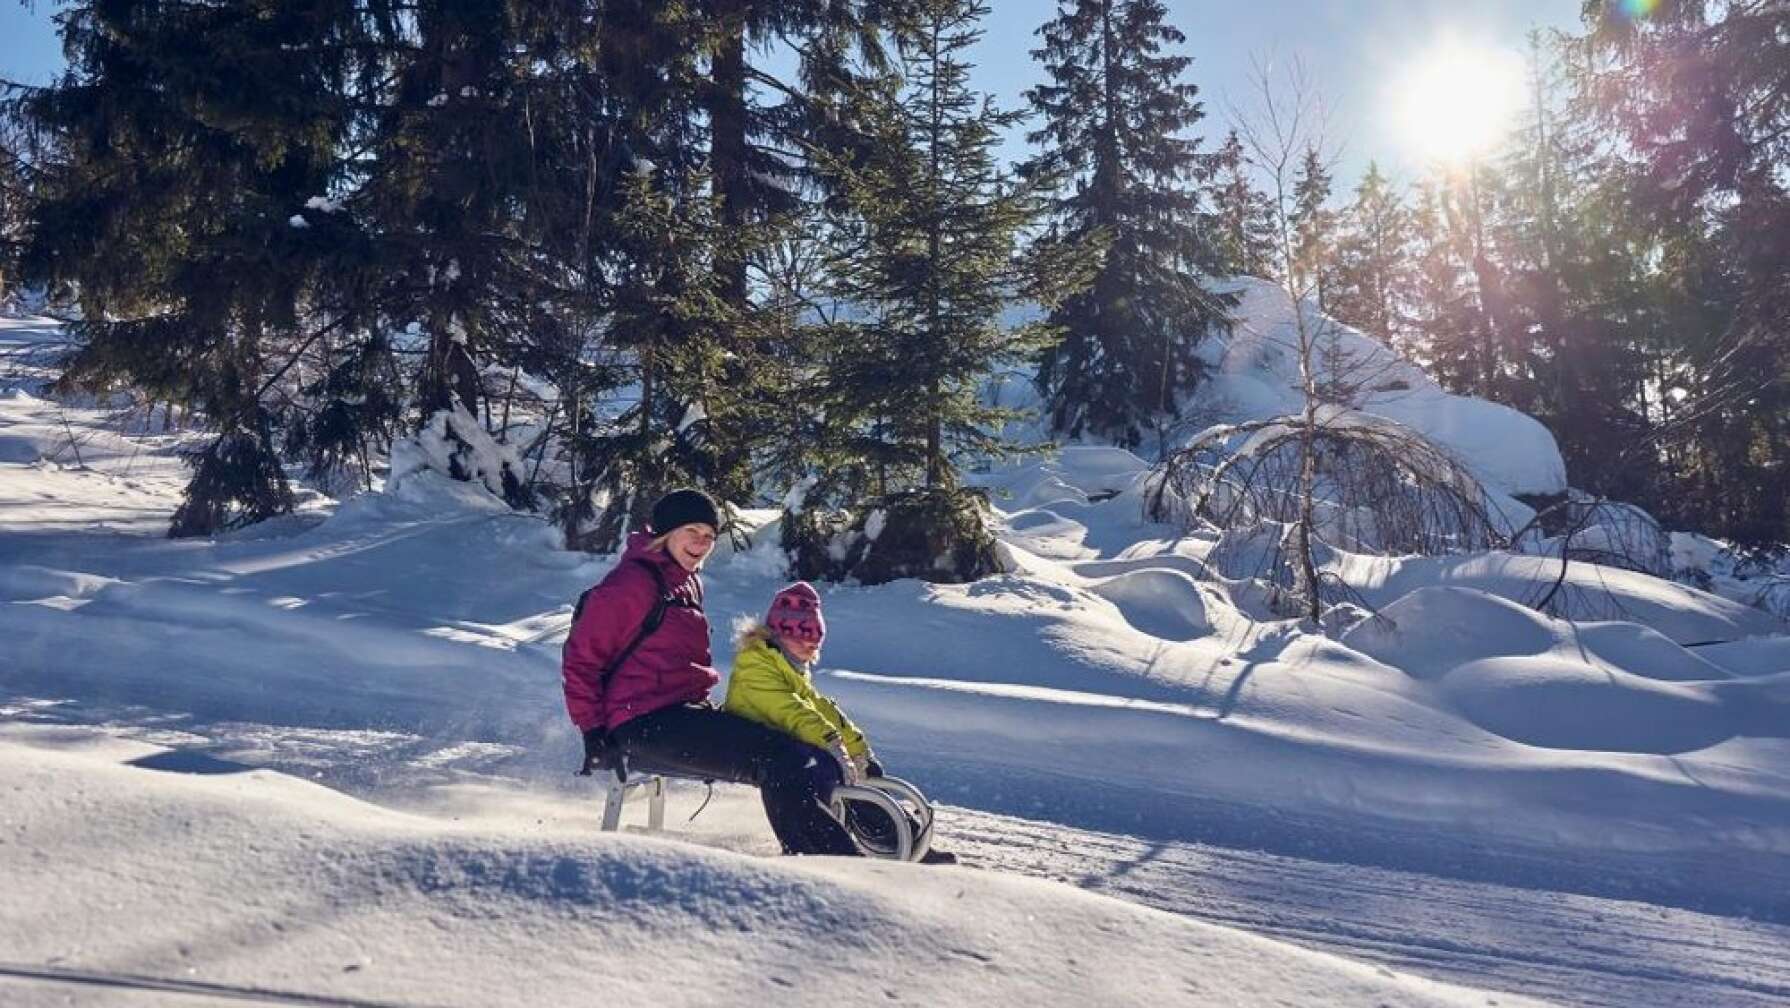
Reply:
x=583, y=251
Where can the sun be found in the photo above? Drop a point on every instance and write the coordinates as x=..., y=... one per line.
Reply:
x=1458, y=101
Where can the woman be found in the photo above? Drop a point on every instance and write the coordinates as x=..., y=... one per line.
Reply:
x=773, y=684
x=639, y=685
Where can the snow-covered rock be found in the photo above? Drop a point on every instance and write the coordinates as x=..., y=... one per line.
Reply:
x=1258, y=378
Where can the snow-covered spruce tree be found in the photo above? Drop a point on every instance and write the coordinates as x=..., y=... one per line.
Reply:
x=1328, y=469
x=190, y=137
x=1114, y=152
x=928, y=227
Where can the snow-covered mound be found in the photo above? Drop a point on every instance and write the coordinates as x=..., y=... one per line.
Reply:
x=352, y=901
x=1258, y=378
x=1587, y=592
x=1611, y=686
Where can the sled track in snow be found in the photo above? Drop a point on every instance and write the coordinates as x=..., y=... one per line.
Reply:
x=128, y=982
x=1570, y=948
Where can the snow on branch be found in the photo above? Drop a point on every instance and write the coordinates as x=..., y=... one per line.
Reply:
x=1380, y=487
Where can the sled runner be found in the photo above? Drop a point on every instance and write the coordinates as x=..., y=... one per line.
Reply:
x=887, y=816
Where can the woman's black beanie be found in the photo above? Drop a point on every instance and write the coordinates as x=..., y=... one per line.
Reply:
x=684, y=507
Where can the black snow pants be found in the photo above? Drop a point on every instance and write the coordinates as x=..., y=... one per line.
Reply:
x=698, y=740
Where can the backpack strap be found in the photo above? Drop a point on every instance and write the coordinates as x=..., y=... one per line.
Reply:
x=654, y=617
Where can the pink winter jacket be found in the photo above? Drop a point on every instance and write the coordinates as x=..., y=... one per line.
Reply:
x=670, y=666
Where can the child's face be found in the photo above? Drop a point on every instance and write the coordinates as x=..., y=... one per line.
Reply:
x=800, y=650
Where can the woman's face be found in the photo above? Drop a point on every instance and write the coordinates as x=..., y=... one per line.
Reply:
x=800, y=650
x=690, y=544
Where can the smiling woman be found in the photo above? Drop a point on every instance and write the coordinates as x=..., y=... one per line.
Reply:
x=1458, y=100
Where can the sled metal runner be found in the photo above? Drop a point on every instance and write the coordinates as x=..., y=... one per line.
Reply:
x=907, y=809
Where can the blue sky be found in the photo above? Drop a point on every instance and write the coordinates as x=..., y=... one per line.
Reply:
x=1356, y=52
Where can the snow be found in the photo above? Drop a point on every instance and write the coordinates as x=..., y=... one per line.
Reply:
x=874, y=523
x=1761, y=581
x=331, y=759
x=454, y=439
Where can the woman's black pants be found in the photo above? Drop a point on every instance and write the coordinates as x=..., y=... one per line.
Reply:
x=697, y=740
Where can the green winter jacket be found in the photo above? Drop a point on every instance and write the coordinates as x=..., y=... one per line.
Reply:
x=766, y=687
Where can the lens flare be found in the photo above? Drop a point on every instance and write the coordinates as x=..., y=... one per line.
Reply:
x=1638, y=9
x=1458, y=101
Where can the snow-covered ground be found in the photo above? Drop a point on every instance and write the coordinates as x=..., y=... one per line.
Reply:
x=327, y=756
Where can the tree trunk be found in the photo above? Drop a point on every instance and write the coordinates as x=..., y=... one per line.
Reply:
x=727, y=147
x=935, y=452
x=452, y=378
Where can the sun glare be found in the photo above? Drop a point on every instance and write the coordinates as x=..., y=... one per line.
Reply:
x=1458, y=101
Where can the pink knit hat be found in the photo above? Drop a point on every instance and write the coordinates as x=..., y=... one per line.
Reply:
x=795, y=614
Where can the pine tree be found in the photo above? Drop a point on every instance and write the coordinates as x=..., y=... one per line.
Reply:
x=1473, y=337
x=1314, y=228
x=1694, y=92
x=1576, y=300
x=1244, y=222
x=1445, y=318
x=646, y=246
x=762, y=133
x=668, y=317
x=16, y=158
x=191, y=138
x=930, y=236
x=1373, y=252
x=1114, y=114
x=332, y=226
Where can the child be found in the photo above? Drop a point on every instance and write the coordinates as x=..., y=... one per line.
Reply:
x=772, y=684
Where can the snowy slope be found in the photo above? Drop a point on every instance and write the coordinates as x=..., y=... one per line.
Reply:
x=403, y=648
x=353, y=900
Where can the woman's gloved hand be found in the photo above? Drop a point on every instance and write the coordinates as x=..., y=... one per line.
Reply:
x=596, y=748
